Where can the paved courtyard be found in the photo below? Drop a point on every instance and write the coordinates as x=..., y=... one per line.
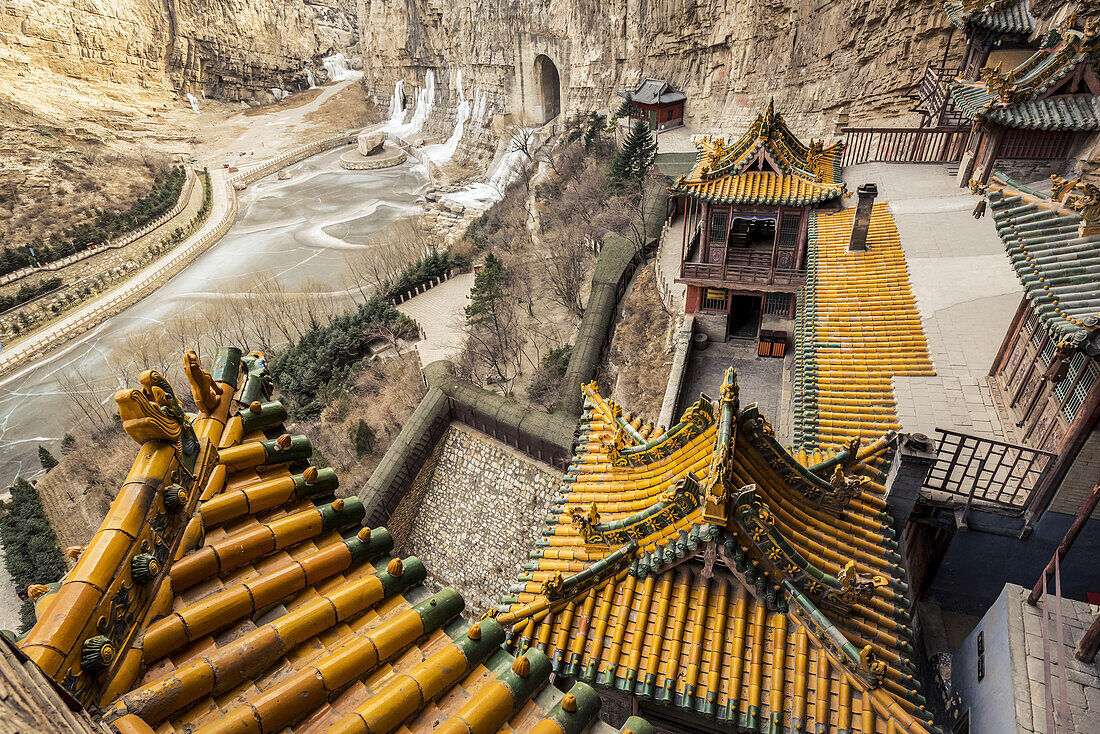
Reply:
x=760, y=379
x=966, y=294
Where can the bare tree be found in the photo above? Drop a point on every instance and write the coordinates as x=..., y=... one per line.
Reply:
x=566, y=267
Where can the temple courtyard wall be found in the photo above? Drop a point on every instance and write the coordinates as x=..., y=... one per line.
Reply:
x=473, y=513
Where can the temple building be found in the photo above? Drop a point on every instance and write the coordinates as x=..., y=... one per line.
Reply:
x=228, y=591
x=1031, y=114
x=656, y=102
x=995, y=30
x=710, y=580
x=996, y=33
x=746, y=208
x=1046, y=372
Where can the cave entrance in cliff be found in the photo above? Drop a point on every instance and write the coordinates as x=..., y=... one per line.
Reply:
x=549, y=89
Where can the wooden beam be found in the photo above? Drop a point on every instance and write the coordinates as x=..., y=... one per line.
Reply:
x=1090, y=643
x=1011, y=336
x=1063, y=548
x=1055, y=472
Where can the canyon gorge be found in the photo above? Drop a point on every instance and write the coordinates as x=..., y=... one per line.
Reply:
x=114, y=75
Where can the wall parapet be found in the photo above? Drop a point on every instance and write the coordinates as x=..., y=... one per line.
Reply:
x=548, y=437
x=614, y=269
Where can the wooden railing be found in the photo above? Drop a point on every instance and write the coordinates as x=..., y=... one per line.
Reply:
x=743, y=275
x=934, y=98
x=903, y=144
x=976, y=470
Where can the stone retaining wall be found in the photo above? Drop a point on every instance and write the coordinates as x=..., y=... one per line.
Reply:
x=675, y=385
x=614, y=269
x=354, y=161
x=534, y=432
x=488, y=501
x=243, y=178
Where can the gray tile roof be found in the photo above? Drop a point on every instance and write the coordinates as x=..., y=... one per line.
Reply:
x=1059, y=268
x=1064, y=112
x=1019, y=98
x=995, y=15
x=654, y=91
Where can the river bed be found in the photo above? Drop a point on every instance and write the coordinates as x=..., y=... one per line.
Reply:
x=296, y=230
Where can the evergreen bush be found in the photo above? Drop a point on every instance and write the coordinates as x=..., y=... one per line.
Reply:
x=634, y=159
x=100, y=227
x=45, y=458
x=31, y=554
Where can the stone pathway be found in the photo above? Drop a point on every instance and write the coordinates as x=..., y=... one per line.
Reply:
x=440, y=314
x=966, y=294
x=668, y=265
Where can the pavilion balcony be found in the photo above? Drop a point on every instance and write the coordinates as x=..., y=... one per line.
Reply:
x=735, y=275
x=739, y=261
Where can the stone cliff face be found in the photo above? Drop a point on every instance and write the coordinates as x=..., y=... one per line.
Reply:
x=87, y=88
x=233, y=48
x=729, y=56
x=230, y=48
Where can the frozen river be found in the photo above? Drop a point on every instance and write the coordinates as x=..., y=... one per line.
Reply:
x=293, y=231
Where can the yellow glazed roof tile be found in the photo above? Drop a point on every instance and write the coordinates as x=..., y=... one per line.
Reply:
x=767, y=165
x=734, y=550
x=174, y=646
x=857, y=328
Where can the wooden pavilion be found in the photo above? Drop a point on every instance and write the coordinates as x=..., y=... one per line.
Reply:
x=996, y=33
x=656, y=102
x=1036, y=110
x=1047, y=372
x=746, y=211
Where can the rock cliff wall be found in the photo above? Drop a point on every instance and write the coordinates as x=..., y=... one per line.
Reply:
x=729, y=56
x=99, y=53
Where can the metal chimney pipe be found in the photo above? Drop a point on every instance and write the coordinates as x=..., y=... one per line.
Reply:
x=862, y=221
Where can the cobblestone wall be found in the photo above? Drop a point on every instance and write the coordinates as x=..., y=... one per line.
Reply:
x=473, y=514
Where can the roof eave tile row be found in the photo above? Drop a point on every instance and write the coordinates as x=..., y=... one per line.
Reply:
x=639, y=612
x=266, y=605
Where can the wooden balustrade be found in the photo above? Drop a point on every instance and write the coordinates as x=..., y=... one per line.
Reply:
x=903, y=144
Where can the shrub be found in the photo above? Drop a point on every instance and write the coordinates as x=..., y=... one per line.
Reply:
x=100, y=225
x=45, y=458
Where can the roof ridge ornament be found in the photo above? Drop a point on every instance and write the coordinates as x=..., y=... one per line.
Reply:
x=204, y=390
x=154, y=414
x=1080, y=196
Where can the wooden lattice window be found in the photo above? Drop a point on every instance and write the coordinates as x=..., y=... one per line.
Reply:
x=1081, y=391
x=1021, y=143
x=719, y=221
x=714, y=299
x=1031, y=321
x=1037, y=336
x=1049, y=349
x=1075, y=365
x=777, y=304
